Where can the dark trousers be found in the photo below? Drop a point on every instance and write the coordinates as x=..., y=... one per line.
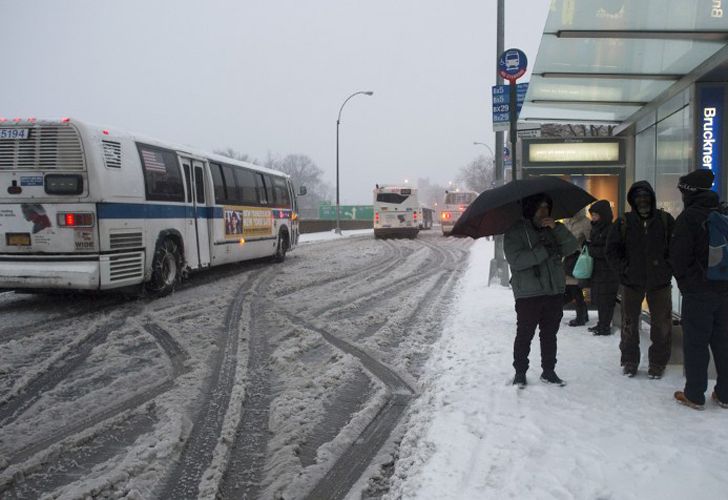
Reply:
x=705, y=324
x=660, y=305
x=604, y=297
x=545, y=312
x=574, y=293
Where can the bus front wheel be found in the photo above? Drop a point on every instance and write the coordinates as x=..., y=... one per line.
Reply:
x=281, y=247
x=166, y=268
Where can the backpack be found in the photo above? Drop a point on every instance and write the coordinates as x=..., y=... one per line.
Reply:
x=717, y=224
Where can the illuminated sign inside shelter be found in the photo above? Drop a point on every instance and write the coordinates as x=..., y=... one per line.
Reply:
x=574, y=152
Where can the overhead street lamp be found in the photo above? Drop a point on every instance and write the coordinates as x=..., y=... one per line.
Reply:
x=484, y=144
x=338, y=122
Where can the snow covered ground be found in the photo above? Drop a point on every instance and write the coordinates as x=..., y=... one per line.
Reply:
x=331, y=235
x=472, y=435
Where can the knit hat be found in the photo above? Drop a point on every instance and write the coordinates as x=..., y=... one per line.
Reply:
x=701, y=178
x=531, y=203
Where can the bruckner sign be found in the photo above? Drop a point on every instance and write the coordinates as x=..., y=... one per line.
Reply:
x=709, y=128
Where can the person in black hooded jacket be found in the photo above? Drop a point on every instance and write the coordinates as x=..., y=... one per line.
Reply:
x=704, y=312
x=637, y=248
x=604, y=280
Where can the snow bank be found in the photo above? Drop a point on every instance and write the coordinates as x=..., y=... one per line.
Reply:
x=331, y=235
x=471, y=434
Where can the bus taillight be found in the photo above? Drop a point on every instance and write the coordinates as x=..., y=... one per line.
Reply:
x=71, y=219
x=446, y=216
x=376, y=217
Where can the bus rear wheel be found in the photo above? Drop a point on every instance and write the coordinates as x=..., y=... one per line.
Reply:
x=166, y=268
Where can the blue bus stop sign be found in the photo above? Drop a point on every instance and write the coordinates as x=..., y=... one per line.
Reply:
x=512, y=64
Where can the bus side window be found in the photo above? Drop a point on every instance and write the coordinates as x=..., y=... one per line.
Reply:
x=234, y=195
x=218, y=183
x=162, y=176
x=260, y=189
x=188, y=195
x=282, y=196
x=246, y=185
x=270, y=189
x=292, y=195
x=199, y=186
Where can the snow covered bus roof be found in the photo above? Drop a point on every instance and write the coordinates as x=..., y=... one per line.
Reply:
x=111, y=132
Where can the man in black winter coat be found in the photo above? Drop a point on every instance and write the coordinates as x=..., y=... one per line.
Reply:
x=637, y=248
x=604, y=280
x=704, y=310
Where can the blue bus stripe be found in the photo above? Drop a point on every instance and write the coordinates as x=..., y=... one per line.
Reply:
x=154, y=211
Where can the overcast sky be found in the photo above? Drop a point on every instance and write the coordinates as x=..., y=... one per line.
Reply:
x=270, y=76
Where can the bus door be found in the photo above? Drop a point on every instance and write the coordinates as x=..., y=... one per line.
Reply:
x=197, y=241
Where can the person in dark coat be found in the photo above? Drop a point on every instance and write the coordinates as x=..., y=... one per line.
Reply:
x=534, y=248
x=578, y=225
x=637, y=248
x=704, y=312
x=604, y=280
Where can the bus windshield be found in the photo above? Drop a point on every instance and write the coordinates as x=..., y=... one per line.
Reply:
x=396, y=198
x=459, y=198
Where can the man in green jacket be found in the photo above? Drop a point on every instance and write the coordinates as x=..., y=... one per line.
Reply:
x=534, y=248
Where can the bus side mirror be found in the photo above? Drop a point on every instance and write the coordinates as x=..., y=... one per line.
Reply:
x=302, y=191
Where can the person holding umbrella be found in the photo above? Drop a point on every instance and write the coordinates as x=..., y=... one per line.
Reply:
x=534, y=247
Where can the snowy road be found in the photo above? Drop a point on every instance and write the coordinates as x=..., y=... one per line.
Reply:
x=251, y=381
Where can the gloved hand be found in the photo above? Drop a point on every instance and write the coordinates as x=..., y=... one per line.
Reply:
x=549, y=243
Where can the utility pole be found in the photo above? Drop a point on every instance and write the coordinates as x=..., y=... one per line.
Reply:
x=498, y=265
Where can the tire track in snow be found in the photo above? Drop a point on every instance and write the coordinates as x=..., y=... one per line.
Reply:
x=44, y=381
x=365, y=300
x=184, y=480
x=177, y=357
x=368, y=270
x=247, y=454
x=349, y=467
x=55, y=322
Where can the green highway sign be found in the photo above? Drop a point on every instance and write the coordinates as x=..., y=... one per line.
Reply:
x=347, y=212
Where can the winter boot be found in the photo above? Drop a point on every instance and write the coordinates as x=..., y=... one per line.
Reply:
x=683, y=400
x=594, y=329
x=582, y=316
x=720, y=403
x=550, y=377
x=629, y=369
x=520, y=380
x=655, y=372
x=603, y=330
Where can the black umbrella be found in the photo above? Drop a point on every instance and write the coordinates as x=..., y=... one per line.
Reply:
x=494, y=211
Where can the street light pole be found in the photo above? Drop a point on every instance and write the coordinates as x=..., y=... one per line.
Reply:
x=498, y=265
x=338, y=122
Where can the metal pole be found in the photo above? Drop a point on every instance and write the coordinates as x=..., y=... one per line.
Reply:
x=499, y=81
x=514, y=128
x=338, y=220
x=338, y=122
x=499, y=266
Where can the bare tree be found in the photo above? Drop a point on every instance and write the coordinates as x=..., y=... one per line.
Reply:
x=479, y=174
x=304, y=172
x=430, y=194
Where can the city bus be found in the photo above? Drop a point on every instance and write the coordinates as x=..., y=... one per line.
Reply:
x=396, y=212
x=453, y=206
x=90, y=208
